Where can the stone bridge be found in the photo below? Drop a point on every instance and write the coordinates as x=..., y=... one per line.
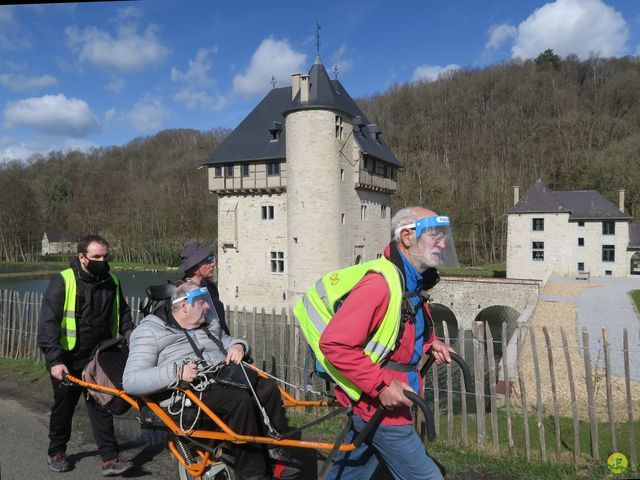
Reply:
x=459, y=301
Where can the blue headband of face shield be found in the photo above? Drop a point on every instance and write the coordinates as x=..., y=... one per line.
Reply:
x=192, y=295
x=426, y=223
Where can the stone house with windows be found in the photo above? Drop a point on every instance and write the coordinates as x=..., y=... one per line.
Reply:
x=303, y=185
x=57, y=243
x=570, y=233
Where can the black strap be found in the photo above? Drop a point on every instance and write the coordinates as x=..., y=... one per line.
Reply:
x=400, y=367
x=336, y=446
x=196, y=350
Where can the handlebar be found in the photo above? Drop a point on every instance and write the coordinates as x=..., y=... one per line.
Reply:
x=461, y=363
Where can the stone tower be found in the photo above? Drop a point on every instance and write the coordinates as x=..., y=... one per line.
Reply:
x=303, y=185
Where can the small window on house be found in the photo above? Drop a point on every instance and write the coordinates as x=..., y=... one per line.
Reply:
x=537, y=251
x=339, y=128
x=581, y=266
x=275, y=131
x=277, y=262
x=343, y=219
x=608, y=228
x=538, y=224
x=217, y=172
x=228, y=171
x=607, y=273
x=378, y=255
x=342, y=174
x=608, y=253
x=273, y=169
x=245, y=170
x=380, y=169
x=363, y=212
x=581, y=224
x=358, y=260
x=383, y=211
x=268, y=212
x=580, y=242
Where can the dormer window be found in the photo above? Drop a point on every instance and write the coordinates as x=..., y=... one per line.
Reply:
x=275, y=131
x=374, y=132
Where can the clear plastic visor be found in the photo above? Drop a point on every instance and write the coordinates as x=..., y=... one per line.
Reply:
x=200, y=301
x=436, y=232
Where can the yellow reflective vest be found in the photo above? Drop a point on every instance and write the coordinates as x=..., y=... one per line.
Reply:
x=315, y=310
x=68, y=324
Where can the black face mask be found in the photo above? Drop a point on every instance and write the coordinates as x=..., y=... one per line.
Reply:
x=97, y=268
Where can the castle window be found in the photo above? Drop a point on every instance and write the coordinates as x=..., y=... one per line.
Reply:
x=363, y=212
x=342, y=174
x=339, y=128
x=581, y=242
x=277, y=262
x=608, y=253
x=537, y=251
x=608, y=228
x=383, y=211
x=273, y=169
x=537, y=224
x=217, y=172
x=228, y=171
x=268, y=212
x=245, y=170
x=381, y=169
x=275, y=131
x=343, y=219
x=581, y=266
x=581, y=224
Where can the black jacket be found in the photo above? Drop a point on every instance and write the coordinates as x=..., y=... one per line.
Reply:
x=94, y=309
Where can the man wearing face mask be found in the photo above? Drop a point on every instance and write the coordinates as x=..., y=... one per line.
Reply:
x=369, y=326
x=81, y=307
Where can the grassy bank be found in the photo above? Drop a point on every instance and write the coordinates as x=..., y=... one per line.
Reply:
x=495, y=270
x=44, y=269
x=635, y=295
x=28, y=370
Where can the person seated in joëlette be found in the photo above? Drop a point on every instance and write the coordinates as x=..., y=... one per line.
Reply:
x=163, y=352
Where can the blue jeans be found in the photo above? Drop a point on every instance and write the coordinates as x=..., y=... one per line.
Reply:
x=398, y=446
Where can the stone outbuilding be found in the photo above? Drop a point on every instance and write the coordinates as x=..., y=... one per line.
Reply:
x=303, y=185
x=57, y=243
x=577, y=233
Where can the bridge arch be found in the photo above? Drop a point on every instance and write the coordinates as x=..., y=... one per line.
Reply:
x=442, y=314
x=495, y=316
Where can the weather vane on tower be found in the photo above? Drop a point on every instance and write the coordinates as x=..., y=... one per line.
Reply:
x=318, y=37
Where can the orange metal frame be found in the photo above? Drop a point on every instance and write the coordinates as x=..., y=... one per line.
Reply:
x=225, y=433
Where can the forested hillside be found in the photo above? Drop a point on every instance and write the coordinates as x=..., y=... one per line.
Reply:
x=464, y=140
x=146, y=197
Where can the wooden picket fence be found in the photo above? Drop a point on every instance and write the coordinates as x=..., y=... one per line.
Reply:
x=555, y=400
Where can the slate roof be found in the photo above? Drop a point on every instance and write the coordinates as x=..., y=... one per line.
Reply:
x=251, y=140
x=57, y=236
x=634, y=236
x=580, y=204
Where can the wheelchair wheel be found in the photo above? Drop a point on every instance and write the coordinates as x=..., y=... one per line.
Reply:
x=217, y=471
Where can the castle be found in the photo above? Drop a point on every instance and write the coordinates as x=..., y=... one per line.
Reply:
x=303, y=185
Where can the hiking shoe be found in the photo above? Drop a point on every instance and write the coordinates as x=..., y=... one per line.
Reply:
x=115, y=466
x=58, y=462
x=285, y=465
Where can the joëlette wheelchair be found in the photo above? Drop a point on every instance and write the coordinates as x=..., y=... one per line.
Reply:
x=200, y=451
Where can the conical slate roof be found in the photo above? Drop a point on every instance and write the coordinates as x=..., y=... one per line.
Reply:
x=252, y=140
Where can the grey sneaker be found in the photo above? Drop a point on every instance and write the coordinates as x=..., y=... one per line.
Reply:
x=58, y=462
x=115, y=466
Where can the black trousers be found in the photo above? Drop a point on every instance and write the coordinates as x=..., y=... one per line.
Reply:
x=65, y=400
x=239, y=410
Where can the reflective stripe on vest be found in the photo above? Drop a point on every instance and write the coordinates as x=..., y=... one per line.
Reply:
x=68, y=324
x=315, y=310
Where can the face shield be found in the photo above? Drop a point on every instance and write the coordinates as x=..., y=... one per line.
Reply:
x=199, y=301
x=434, y=241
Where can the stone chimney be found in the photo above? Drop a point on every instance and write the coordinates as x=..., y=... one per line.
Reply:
x=304, y=88
x=516, y=194
x=621, y=200
x=295, y=85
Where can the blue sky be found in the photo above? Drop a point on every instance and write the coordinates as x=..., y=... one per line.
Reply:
x=101, y=74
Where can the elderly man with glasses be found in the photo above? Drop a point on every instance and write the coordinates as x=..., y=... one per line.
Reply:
x=369, y=325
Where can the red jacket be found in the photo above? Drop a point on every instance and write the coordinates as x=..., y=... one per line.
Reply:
x=343, y=341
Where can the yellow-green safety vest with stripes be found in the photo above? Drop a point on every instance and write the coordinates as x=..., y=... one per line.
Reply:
x=315, y=310
x=68, y=325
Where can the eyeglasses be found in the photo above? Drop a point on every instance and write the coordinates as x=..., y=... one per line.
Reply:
x=209, y=259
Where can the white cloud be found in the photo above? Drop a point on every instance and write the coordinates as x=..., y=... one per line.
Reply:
x=10, y=31
x=109, y=115
x=126, y=52
x=430, y=73
x=129, y=13
x=273, y=58
x=147, y=114
x=116, y=85
x=583, y=27
x=52, y=114
x=197, y=87
x=340, y=59
x=12, y=150
x=498, y=35
x=21, y=83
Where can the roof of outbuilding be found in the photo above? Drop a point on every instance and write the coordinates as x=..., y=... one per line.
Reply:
x=580, y=204
x=251, y=140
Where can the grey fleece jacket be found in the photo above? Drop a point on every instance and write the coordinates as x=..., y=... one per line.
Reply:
x=156, y=349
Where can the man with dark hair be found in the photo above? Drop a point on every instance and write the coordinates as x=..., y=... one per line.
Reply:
x=82, y=306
